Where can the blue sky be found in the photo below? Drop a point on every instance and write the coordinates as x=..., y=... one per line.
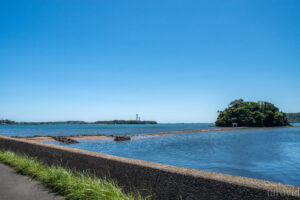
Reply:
x=170, y=61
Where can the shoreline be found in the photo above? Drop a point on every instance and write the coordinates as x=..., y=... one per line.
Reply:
x=196, y=131
x=47, y=138
x=107, y=122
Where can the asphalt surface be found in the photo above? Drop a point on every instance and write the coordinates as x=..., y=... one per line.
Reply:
x=14, y=186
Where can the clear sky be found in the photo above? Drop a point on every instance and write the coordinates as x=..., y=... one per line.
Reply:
x=170, y=61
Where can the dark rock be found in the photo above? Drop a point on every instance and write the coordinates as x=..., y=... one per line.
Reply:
x=121, y=138
x=65, y=140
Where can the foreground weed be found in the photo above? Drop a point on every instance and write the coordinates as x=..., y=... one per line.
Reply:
x=74, y=186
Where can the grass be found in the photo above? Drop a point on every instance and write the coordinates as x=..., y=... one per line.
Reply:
x=72, y=185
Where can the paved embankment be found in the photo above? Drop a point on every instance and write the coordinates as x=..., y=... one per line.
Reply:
x=14, y=186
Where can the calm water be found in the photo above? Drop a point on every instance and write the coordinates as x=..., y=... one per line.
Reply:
x=271, y=154
x=79, y=129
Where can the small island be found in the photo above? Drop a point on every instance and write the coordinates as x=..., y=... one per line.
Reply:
x=251, y=114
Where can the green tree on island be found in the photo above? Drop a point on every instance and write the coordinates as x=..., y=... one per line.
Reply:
x=252, y=114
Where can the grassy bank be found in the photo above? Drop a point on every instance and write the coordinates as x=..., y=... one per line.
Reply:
x=79, y=186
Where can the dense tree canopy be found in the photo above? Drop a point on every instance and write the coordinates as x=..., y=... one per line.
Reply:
x=252, y=114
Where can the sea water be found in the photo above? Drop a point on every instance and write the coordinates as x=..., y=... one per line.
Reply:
x=270, y=154
x=112, y=129
x=263, y=153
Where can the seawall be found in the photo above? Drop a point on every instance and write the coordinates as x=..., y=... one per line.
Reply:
x=163, y=181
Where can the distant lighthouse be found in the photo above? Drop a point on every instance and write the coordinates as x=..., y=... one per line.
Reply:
x=137, y=117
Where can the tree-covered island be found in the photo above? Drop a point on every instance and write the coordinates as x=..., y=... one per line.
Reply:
x=251, y=114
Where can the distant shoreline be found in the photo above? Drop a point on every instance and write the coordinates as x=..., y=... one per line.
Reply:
x=9, y=122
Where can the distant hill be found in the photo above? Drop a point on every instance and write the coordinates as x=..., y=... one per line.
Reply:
x=293, y=117
x=5, y=121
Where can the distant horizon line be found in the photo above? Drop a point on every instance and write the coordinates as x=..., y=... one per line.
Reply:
x=94, y=122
